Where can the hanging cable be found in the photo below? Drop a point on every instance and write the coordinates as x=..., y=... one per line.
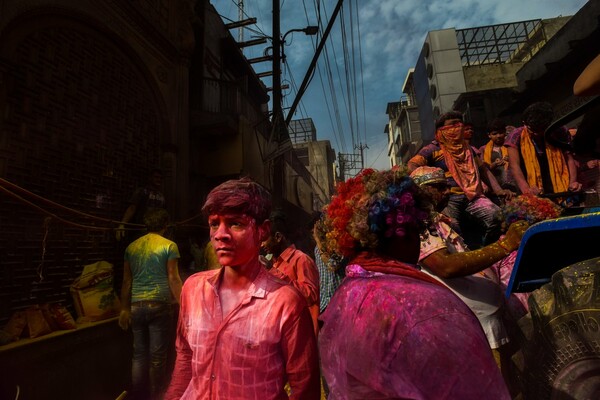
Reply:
x=40, y=268
x=353, y=71
x=362, y=80
x=10, y=188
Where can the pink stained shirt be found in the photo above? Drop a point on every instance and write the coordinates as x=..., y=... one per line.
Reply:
x=304, y=276
x=249, y=353
x=396, y=337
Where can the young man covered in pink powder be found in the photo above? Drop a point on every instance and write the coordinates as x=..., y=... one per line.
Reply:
x=242, y=332
x=391, y=331
x=293, y=264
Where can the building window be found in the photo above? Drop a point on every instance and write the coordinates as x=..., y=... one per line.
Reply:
x=302, y=154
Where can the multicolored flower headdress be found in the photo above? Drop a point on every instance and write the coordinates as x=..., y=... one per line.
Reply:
x=370, y=209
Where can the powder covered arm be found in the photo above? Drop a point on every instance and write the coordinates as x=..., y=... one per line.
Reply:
x=174, y=279
x=308, y=280
x=488, y=176
x=514, y=162
x=574, y=184
x=452, y=265
x=300, y=353
x=182, y=372
x=588, y=83
x=125, y=315
x=420, y=159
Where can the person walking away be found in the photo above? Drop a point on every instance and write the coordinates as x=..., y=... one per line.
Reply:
x=151, y=283
x=143, y=199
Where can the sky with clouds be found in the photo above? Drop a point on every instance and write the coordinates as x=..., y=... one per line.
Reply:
x=391, y=33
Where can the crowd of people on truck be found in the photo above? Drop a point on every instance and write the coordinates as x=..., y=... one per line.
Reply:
x=401, y=296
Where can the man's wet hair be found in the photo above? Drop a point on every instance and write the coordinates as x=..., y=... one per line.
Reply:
x=239, y=196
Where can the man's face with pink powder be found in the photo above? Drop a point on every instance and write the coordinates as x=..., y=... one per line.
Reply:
x=236, y=238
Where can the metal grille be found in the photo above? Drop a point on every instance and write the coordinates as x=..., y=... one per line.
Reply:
x=502, y=43
x=302, y=130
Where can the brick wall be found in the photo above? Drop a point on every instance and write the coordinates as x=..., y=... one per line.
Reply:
x=79, y=126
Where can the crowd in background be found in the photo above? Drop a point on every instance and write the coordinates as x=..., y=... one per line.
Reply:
x=401, y=293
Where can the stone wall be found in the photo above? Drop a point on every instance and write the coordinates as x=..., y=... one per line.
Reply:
x=90, y=102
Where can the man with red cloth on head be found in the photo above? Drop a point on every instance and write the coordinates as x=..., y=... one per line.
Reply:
x=391, y=331
x=242, y=332
x=464, y=173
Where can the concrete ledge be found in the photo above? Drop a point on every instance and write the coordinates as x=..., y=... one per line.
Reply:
x=91, y=362
x=51, y=335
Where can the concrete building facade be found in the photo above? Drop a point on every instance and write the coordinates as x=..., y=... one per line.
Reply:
x=403, y=128
x=317, y=156
x=549, y=75
x=474, y=70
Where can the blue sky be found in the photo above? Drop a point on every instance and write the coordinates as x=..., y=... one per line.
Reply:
x=391, y=35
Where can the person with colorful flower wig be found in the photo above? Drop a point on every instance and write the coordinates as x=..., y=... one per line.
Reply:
x=391, y=331
x=465, y=174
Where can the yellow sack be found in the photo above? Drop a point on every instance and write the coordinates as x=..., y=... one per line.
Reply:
x=93, y=293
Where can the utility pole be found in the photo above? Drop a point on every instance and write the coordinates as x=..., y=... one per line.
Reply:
x=352, y=163
x=280, y=130
x=278, y=167
x=277, y=105
x=342, y=165
x=241, y=18
x=361, y=147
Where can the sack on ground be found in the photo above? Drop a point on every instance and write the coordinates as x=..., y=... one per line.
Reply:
x=48, y=316
x=93, y=293
x=37, y=324
x=5, y=338
x=16, y=324
x=62, y=317
x=58, y=317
